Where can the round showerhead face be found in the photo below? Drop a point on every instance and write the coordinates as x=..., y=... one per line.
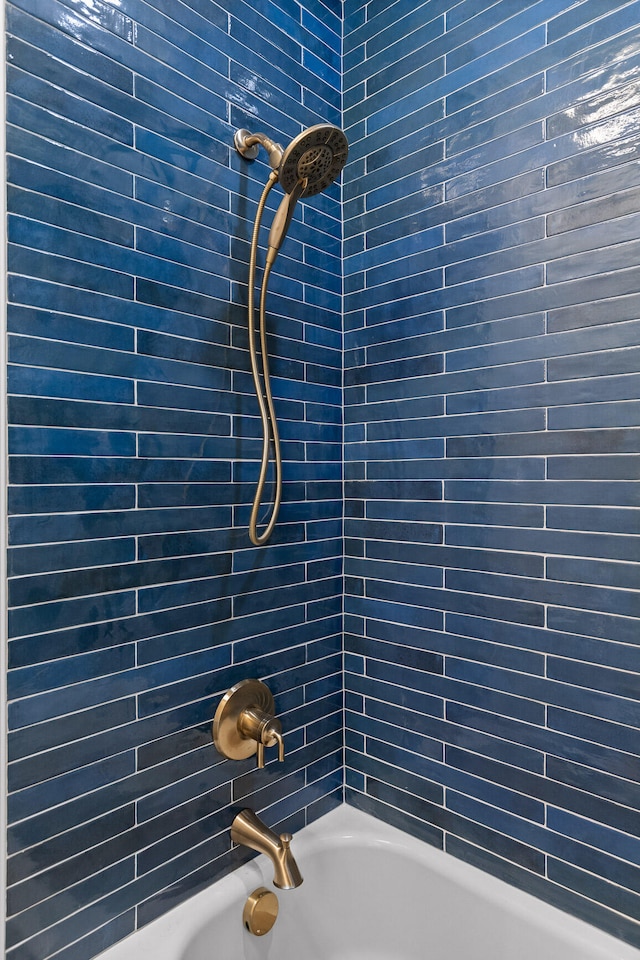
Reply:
x=316, y=155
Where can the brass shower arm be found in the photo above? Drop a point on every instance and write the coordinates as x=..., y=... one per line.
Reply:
x=247, y=146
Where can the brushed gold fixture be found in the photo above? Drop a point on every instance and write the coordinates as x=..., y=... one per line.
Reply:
x=248, y=830
x=248, y=146
x=310, y=163
x=260, y=911
x=245, y=724
x=263, y=394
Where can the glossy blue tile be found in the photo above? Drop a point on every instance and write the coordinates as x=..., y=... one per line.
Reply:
x=39, y=323
x=26, y=560
x=612, y=797
x=488, y=97
x=111, y=171
x=557, y=895
x=596, y=888
x=99, y=107
x=54, y=737
x=59, y=269
x=599, y=731
x=471, y=428
x=64, y=215
x=57, y=43
x=34, y=920
x=46, y=587
x=55, y=499
x=58, y=197
x=103, y=938
x=586, y=58
x=202, y=63
x=183, y=225
x=601, y=838
x=326, y=29
x=36, y=381
x=564, y=23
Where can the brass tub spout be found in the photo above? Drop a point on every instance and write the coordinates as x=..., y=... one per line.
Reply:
x=248, y=830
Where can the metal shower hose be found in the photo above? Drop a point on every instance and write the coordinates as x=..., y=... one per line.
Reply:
x=263, y=388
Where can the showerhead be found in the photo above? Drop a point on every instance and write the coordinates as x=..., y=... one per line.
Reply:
x=317, y=156
x=310, y=163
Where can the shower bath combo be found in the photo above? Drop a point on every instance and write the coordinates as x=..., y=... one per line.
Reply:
x=310, y=163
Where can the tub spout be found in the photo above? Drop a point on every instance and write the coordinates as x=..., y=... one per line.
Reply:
x=248, y=830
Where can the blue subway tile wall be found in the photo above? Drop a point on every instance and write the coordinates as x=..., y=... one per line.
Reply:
x=491, y=290
x=492, y=531
x=136, y=596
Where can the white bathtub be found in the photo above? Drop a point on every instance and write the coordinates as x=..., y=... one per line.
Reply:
x=370, y=892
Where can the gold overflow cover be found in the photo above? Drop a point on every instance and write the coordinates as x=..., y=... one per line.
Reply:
x=260, y=911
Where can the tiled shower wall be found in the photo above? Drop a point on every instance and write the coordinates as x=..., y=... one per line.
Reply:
x=136, y=597
x=492, y=564
x=492, y=216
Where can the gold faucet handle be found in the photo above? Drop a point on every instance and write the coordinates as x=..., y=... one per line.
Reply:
x=270, y=734
x=245, y=724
